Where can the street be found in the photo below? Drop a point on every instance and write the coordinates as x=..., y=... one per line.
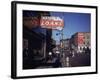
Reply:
x=79, y=60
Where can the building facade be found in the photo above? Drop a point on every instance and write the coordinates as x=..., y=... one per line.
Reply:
x=80, y=40
x=37, y=41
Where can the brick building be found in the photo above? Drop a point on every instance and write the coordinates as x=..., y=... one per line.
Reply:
x=80, y=40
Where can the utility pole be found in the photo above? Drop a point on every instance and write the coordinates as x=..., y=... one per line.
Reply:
x=62, y=49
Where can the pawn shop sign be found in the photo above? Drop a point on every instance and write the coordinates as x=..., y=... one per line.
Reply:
x=52, y=22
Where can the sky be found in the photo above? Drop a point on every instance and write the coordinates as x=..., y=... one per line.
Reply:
x=73, y=22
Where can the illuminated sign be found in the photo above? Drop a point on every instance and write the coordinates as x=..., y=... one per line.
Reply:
x=31, y=22
x=51, y=22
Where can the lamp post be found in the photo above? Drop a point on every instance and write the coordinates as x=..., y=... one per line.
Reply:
x=62, y=54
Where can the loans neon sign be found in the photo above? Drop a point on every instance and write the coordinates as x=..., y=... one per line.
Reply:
x=51, y=22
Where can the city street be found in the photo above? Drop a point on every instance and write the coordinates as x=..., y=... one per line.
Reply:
x=48, y=43
x=79, y=60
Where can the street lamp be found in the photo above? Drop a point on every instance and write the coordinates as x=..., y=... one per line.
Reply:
x=50, y=53
x=62, y=55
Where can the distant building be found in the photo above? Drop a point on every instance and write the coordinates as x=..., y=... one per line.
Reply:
x=65, y=44
x=80, y=40
x=56, y=48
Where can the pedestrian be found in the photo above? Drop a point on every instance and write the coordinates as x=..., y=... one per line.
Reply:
x=57, y=62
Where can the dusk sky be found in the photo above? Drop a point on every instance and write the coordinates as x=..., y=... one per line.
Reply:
x=73, y=22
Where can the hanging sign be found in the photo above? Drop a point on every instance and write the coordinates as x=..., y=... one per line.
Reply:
x=51, y=22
